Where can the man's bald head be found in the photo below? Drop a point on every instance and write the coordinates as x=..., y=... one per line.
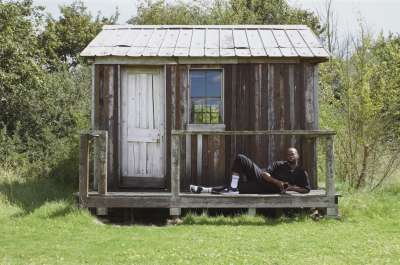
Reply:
x=292, y=155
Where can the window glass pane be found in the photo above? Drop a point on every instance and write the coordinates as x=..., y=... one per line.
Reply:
x=206, y=118
x=198, y=83
x=215, y=104
x=198, y=118
x=214, y=117
x=215, y=110
x=198, y=104
x=205, y=93
x=213, y=83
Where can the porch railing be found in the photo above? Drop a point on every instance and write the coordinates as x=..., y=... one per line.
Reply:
x=100, y=140
x=177, y=136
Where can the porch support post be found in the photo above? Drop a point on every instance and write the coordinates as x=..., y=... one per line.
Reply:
x=102, y=143
x=251, y=211
x=175, y=171
x=83, y=169
x=330, y=182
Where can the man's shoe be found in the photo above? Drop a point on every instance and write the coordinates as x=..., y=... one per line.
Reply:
x=229, y=191
x=195, y=189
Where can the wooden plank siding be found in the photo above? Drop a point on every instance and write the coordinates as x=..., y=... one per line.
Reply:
x=106, y=115
x=257, y=96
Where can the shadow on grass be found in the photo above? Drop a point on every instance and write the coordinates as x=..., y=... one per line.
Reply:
x=240, y=218
x=31, y=194
x=65, y=210
x=31, y=189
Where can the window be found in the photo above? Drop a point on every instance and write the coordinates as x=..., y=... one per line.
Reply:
x=206, y=96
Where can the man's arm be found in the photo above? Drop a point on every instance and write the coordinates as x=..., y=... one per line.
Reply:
x=268, y=178
x=303, y=184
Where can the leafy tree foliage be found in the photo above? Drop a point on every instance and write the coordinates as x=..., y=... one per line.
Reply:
x=64, y=38
x=44, y=92
x=22, y=77
x=360, y=98
x=224, y=12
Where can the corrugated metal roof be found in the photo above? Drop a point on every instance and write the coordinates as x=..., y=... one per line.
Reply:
x=206, y=41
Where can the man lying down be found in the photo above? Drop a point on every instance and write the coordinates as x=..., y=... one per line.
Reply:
x=282, y=176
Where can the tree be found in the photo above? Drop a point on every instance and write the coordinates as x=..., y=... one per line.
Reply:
x=224, y=12
x=21, y=59
x=64, y=38
x=360, y=100
x=40, y=111
x=330, y=34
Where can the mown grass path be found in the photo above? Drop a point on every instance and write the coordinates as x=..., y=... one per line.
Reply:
x=58, y=233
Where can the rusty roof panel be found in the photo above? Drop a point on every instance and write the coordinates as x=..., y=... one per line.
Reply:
x=184, y=39
x=206, y=41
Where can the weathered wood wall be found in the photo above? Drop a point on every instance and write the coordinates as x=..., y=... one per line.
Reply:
x=105, y=115
x=256, y=97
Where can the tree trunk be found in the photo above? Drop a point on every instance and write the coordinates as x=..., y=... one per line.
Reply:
x=361, y=177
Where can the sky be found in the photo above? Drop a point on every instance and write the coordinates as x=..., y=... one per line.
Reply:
x=377, y=15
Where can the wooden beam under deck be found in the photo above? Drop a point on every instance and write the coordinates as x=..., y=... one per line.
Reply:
x=316, y=198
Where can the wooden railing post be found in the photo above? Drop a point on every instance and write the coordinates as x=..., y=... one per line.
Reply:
x=330, y=182
x=175, y=170
x=83, y=169
x=102, y=163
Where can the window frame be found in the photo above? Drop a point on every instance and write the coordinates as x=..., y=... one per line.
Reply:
x=206, y=126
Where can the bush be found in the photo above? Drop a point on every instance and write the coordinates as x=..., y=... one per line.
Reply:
x=360, y=100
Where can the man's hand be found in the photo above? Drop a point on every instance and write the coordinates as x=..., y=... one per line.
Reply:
x=280, y=184
x=297, y=189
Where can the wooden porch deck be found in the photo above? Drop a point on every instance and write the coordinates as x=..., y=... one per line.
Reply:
x=316, y=198
x=175, y=199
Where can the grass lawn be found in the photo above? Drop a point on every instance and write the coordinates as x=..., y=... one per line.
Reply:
x=50, y=230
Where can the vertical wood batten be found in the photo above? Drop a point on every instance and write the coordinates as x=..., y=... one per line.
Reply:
x=174, y=82
x=173, y=70
x=316, y=122
x=111, y=120
x=292, y=103
x=203, y=159
x=285, y=84
x=309, y=150
x=188, y=139
x=182, y=102
x=102, y=144
x=83, y=169
x=232, y=120
x=258, y=114
x=115, y=137
x=315, y=96
x=105, y=113
x=97, y=109
x=227, y=116
x=168, y=122
x=93, y=94
x=188, y=160
x=264, y=115
x=101, y=112
x=271, y=112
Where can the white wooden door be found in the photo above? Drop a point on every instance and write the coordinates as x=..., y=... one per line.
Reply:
x=142, y=124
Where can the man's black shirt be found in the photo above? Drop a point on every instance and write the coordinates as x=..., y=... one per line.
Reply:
x=282, y=171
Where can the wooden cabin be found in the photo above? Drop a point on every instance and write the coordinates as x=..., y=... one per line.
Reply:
x=173, y=106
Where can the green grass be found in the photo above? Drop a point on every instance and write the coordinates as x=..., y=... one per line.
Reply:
x=39, y=227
